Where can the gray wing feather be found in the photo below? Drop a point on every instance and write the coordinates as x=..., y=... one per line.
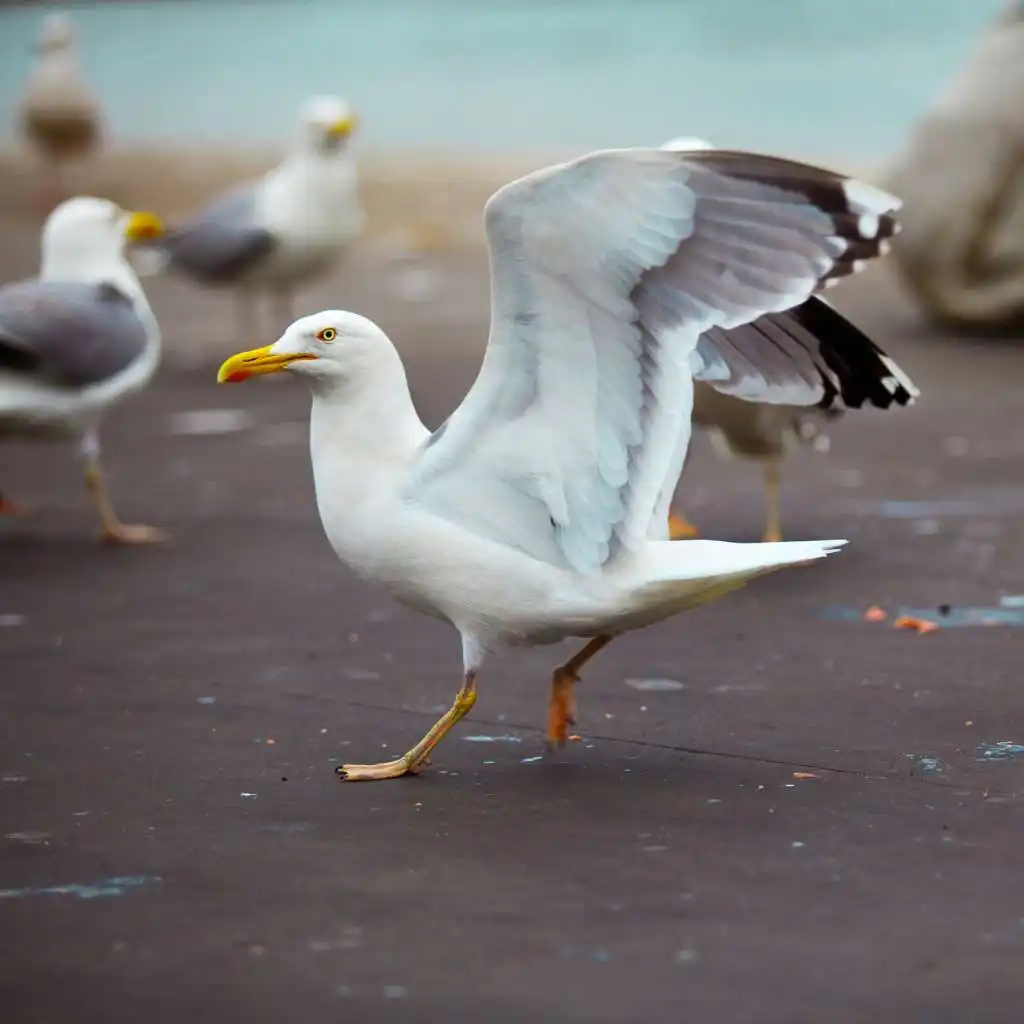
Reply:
x=606, y=273
x=67, y=332
x=223, y=242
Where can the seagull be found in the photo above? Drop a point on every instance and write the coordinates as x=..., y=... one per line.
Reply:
x=288, y=227
x=59, y=115
x=77, y=339
x=766, y=433
x=538, y=511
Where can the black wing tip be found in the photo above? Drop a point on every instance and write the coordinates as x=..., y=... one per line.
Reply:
x=860, y=371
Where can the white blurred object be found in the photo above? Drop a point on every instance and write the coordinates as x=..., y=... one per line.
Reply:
x=961, y=176
x=282, y=231
x=59, y=116
x=684, y=143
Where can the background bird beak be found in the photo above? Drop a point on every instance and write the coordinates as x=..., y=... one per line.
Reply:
x=342, y=128
x=143, y=226
x=255, y=362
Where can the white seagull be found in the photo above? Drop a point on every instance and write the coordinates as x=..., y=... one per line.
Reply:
x=272, y=235
x=59, y=115
x=538, y=511
x=77, y=339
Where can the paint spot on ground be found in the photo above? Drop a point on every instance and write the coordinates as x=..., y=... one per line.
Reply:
x=32, y=838
x=532, y=760
x=362, y=675
x=200, y=422
x=926, y=763
x=1004, y=750
x=1012, y=601
x=206, y=700
x=10, y=620
x=116, y=886
x=944, y=617
x=655, y=684
x=492, y=739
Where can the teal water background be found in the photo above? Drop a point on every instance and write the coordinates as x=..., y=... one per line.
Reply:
x=806, y=76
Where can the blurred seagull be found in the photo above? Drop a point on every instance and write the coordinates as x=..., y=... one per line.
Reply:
x=766, y=433
x=283, y=230
x=78, y=338
x=59, y=115
x=539, y=510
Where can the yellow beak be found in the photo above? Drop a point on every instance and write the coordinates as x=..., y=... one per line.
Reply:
x=255, y=362
x=142, y=226
x=343, y=127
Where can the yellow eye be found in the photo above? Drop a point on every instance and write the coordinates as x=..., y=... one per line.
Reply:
x=327, y=334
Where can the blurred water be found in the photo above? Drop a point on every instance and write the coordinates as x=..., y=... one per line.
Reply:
x=843, y=77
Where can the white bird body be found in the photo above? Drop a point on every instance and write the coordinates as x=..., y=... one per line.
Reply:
x=78, y=338
x=365, y=438
x=274, y=234
x=35, y=406
x=310, y=205
x=539, y=510
x=58, y=111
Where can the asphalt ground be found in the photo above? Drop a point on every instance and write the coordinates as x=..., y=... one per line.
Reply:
x=778, y=813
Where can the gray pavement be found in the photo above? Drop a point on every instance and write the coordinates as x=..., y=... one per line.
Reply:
x=816, y=825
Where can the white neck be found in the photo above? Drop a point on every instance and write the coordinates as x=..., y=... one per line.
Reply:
x=366, y=422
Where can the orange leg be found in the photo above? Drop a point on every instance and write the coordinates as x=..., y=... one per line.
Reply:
x=680, y=528
x=562, y=705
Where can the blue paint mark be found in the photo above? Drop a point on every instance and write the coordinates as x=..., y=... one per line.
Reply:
x=948, y=618
x=1004, y=750
x=573, y=952
x=923, y=509
x=116, y=886
x=927, y=764
x=492, y=739
x=1012, y=601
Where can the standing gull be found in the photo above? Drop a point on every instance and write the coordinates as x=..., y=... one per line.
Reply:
x=538, y=511
x=284, y=230
x=765, y=433
x=77, y=339
x=59, y=115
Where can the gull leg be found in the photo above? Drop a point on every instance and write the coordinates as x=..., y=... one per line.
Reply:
x=562, y=704
x=680, y=528
x=413, y=760
x=113, y=530
x=772, y=511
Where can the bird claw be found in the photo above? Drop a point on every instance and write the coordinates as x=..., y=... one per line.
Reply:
x=377, y=772
x=134, y=533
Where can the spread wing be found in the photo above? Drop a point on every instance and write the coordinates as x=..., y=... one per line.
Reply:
x=68, y=333
x=606, y=272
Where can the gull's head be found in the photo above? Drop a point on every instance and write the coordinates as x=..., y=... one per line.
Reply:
x=332, y=345
x=85, y=229
x=327, y=123
x=57, y=34
x=686, y=144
